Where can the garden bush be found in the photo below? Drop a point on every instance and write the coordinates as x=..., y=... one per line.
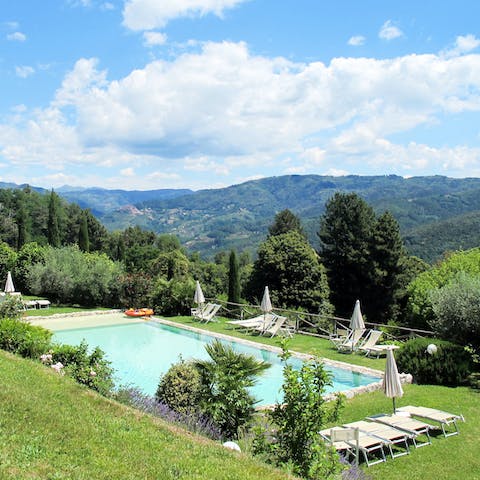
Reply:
x=180, y=388
x=297, y=421
x=11, y=307
x=173, y=297
x=23, y=339
x=90, y=369
x=449, y=366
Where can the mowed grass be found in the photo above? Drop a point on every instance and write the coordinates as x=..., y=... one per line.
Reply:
x=455, y=457
x=301, y=343
x=52, y=428
x=55, y=309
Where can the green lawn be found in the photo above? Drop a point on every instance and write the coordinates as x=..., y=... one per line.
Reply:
x=53, y=309
x=300, y=343
x=52, y=428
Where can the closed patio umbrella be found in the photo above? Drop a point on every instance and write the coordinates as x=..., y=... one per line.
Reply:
x=9, y=288
x=266, y=304
x=198, y=298
x=356, y=322
x=391, y=383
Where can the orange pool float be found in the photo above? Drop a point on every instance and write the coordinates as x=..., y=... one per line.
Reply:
x=139, y=312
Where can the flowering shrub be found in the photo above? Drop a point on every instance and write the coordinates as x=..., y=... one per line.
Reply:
x=192, y=421
x=87, y=369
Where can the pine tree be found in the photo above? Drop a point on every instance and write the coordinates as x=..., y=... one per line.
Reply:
x=387, y=255
x=345, y=234
x=234, y=290
x=285, y=221
x=53, y=232
x=83, y=239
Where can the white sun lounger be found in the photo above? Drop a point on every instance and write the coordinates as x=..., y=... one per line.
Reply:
x=407, y=424
x=392, y=436
x=367, y=444
x=208, y=313
x=351, y=342
x=445, y=419
x=370, y=341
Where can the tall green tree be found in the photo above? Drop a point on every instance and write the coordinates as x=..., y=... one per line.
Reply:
x=83, y=238
x=21, y=219
x=292, y=270
x=387, y=267
x=284, y=222
x=53, y=232
x=234, y=290
x=345, y=235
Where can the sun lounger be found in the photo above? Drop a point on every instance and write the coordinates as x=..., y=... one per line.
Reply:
x=255, y=322
x=445, y=419
x=43, y=303
x=273, y=327
x=351, y=342
x=407, y=424
x=367, y=444
x=208, y=313
x=392, y=436
x=370, y=342
x=30, y=304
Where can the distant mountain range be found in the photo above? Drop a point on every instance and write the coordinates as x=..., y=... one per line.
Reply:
x=435, y=213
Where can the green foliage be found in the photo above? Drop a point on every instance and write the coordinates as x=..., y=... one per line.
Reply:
x=89, y=369
x=450, y=365
x=135, y=290
x=456, y=307
x=171, y=264
x=299, y=418
x=180, y=387
x=53, y=232
x=173, y=297
x=11, y=306
x=30, y=254
x=225, y=380
x=420, y=310
x=71, y=276
x=293, y=273
x=285, y=221
x=83, y=239
x=234, y=289
x=8, y=258
x=23, y=339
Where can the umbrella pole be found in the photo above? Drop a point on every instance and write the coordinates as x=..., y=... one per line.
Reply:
x=394, y=407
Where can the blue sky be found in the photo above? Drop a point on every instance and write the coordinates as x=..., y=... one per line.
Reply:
x=144, y=94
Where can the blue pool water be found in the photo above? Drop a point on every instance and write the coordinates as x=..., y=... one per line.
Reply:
x=141, y=352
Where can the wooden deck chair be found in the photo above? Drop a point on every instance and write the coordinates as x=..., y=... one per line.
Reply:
x=407, y=424
x=445, y=419
x=392, y=436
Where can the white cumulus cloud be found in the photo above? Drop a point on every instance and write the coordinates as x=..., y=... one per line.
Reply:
x=154, y=38
x=463, y=44
x=388, y=31
x=356, y=41
x=151, y=14
x=24, y=71
x=16, y=37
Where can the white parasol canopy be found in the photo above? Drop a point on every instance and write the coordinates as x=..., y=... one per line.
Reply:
x=266, y=304
x=198, y=298
x=391, y=384
x=356, y=322
x=9, y=288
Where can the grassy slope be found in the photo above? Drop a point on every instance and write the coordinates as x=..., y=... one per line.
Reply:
x=51, y=428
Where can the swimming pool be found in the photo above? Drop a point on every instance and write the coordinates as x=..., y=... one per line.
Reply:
x=141, y=352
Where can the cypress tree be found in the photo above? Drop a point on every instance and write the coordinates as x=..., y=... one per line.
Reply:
x=53, y=232
x=83, y=239
x=234, y=290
